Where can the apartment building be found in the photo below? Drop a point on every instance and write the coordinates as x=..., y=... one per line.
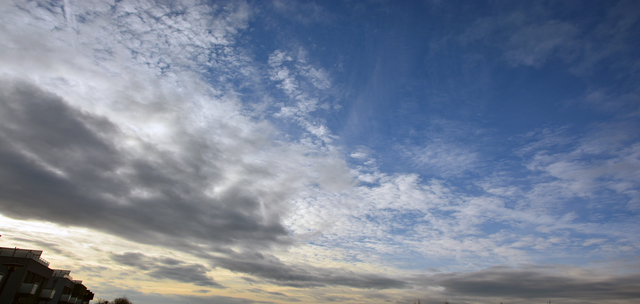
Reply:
x=25, y=278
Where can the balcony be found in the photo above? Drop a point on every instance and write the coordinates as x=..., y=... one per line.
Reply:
x=65, y=298
x=24, y=253
x=73, y=300
x=47, y=294
x=28, y=288
x=60, y=273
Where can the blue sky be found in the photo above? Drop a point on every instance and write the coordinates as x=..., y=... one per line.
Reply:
x=329, y=151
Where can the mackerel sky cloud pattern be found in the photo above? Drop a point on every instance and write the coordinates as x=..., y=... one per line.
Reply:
x=328, y=151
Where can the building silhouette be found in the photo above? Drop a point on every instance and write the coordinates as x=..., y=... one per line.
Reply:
x=25, y=278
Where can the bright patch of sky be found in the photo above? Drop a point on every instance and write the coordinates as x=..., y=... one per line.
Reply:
x=327, y=151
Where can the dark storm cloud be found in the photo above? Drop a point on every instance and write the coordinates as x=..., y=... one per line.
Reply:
x=535, y=282
x=64, y=165
x=167, y=268
x=271, y=269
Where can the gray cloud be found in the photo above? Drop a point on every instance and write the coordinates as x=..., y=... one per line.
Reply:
x=273, y=293
x=193, y=273
x=135, y=259
x=264, y=266
x=535, y=283
x=271, y=269
x=202, y=291
x=64, y=165
x=165, y=268
x=531, y=284
x=42, y=244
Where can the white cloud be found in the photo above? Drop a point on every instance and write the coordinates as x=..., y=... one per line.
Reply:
x=445, y=159
x=601, y=160
x=304, y=85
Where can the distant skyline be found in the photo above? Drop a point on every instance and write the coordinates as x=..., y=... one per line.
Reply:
x=325, y=151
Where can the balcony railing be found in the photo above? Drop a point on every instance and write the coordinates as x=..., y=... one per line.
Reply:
x=47, y=294
x=24, y=253
x=28, y=288
x=59, y=273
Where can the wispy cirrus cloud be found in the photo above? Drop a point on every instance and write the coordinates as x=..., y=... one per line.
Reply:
x=536, y=34
x=604, y=159
x=526, y=39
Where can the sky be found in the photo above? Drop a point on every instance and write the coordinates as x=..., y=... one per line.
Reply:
x=285, y=151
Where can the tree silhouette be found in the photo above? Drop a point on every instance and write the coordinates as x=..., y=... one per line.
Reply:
x=122, y=300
